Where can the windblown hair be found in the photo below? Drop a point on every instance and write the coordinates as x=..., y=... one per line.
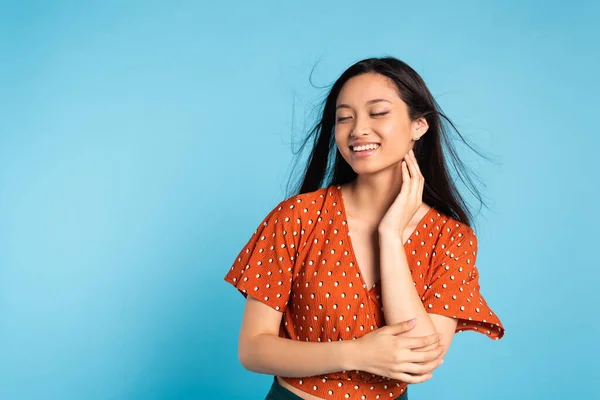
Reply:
x=326, y=166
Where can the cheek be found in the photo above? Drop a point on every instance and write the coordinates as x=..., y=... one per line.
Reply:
x=340, y=142
x=390, y=130
x=396, y=141
x=342, y=145
x=395, y=134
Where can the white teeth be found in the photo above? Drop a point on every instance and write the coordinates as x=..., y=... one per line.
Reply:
x=365, y=147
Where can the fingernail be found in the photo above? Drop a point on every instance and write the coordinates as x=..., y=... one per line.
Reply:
x=411, y=152
x=440, y=336
x=412, y=322
x=441, y=362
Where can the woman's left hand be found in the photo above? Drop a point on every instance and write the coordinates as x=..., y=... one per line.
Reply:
x=407, y=202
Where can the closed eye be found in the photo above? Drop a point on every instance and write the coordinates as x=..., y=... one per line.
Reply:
x=341, y=119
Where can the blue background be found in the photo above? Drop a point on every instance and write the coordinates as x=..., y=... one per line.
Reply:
x=142, y=142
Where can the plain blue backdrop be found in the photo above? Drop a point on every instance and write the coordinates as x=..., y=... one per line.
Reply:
x=142, y=142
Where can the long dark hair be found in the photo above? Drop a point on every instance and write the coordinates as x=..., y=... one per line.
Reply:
x=326, y=166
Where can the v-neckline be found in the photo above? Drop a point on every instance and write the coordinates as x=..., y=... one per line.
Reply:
x=346, y=231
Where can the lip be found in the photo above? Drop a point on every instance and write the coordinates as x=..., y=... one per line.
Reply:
x=353, y=144
x=365, y=153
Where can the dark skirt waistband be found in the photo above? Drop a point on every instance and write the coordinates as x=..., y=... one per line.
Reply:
x=278, y=392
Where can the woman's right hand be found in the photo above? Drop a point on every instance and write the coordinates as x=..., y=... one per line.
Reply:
x=383, y=352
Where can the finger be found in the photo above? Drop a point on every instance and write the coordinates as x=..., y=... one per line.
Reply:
x=405, y=174
x=433, y=346
x=418, y=342
x=411, y=181
x=421, y=368
x=401, y=327
x=410, y=165
x=425, y=356
x=415, y=174
x=421, y=185
x=416, y=162
x=418, y=172
x=407, y=378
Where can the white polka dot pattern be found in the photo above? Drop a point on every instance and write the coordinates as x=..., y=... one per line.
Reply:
x=301, y=263
x=453, y=288
x=265, y=266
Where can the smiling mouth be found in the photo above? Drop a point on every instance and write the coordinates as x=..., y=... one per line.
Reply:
x=366, y=147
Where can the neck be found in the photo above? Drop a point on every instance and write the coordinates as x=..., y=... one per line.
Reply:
x=372, y=195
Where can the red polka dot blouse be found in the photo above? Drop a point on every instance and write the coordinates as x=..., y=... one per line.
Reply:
x=300, y=262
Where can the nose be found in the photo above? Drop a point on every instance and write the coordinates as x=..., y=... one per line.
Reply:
x=361, y=127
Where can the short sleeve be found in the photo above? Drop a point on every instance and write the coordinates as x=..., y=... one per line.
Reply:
x=264, y=267
x=454, y=291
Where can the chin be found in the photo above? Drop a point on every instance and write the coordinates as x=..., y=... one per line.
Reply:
x=367, y=169
x=371, y=168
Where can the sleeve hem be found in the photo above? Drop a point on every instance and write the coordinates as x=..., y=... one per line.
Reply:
x=490, y=329
x=257, y=295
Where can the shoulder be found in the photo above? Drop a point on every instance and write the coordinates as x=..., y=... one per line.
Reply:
x=301, y=204
x=305, y=201
x=454, y=236
x=450, y=228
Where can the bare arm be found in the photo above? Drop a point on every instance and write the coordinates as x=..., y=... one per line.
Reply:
x=261, y=350
x=401, y=301
x=400, y=297
x=381, y=352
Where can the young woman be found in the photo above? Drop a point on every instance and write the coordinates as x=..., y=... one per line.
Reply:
x=356, y=285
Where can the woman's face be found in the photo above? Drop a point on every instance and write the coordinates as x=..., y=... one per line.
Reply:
x=373, y=130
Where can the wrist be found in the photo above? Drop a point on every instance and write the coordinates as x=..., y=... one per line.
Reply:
x=387, y=235
x=350, y=355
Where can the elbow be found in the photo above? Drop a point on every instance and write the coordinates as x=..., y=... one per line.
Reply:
x=244, y=357
x=445, y=343
x=445, y=348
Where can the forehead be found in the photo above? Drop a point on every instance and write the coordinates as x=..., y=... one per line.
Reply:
x=362, y=88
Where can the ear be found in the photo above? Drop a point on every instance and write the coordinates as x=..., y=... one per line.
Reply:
x=419, y=127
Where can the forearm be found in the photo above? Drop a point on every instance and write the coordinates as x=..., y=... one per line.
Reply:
x=400, y=298
x=274, y=355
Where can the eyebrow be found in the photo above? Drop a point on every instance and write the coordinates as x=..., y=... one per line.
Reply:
x=368, y=102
